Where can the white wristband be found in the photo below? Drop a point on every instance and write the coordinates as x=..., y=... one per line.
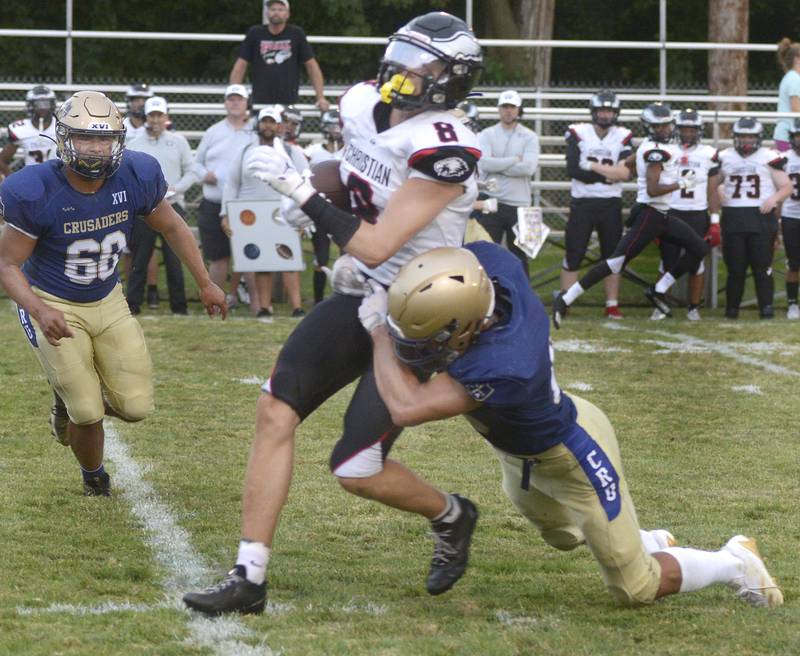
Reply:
x=714, y=218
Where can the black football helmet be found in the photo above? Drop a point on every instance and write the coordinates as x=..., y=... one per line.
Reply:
x=747, y=135
x=442, y=51
x=604, y=100
x=655, y=117
x=40, y=103
x=138, y=90
x=689, y=125
x=794, y=135
x=331, y=125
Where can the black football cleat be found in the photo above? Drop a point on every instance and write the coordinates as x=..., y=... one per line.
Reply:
x=451, y=551
x=559, y=310
x=658, y=300
x=97, y=486
x=234, y=594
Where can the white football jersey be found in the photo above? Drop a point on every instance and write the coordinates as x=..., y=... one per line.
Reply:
x=35, y=145
x=317, y=153
x=748, y=180
x=652, y=152
x=433, y=145
x=701, y=159
x=605, y=150
x=791, y=206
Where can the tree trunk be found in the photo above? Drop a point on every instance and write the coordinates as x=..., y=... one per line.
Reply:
x=728, y=22
x=522, y=19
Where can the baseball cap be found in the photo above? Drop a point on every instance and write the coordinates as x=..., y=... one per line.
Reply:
x=155, y=104
x=285, y=3
x=237, y=90
x=509, y=97
x=271, y=111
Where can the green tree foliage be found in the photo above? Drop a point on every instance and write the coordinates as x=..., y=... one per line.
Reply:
x=180, y=61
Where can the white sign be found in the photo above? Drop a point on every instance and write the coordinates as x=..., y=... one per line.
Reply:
x=261, y=240
x=530, y=230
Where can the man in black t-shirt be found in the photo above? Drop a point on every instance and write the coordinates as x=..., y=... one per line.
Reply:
x=276, y=50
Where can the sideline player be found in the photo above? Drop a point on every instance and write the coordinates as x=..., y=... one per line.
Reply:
x=692, y=205
x=657, y=171
x=470, y=314
x=69, y=220
x=755, y=184
x=35, y=135
x=790, y=222
x=409, y=165
x=596, y=154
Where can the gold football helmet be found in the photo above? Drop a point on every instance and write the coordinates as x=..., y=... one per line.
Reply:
x=90, y=114
x=437, y=305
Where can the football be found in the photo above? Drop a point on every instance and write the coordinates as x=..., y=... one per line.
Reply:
x=325, y=179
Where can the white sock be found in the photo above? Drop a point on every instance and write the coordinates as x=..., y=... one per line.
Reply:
x=663, y=285
x=451, y=512
x=699, y=569
x=572, y=293
x=254, y=556
x=610, y=303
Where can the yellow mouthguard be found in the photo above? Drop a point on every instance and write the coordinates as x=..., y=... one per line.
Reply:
x=400, y=83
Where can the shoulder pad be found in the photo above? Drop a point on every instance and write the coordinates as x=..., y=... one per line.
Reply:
x=446, y=163
x=777, y=163
x=573, y=131
x=144, y=166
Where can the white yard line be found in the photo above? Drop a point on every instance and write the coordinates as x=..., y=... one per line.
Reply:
x=173, y=550
x=695, y=343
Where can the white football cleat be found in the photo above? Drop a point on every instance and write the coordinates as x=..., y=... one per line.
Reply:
x=693, y=314
x=664, y=538
x=793, y=312
x=755, y=585
x=657, y=315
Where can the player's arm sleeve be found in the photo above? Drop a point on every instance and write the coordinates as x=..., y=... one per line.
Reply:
x=574, y=157
x=17, y=213
x=152, y=185
x=491, y=164
x=657, y=156
x=445, y=163
x=777, y=163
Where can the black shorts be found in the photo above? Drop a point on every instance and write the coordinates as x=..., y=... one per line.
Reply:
x=585, y=216
x=698, y=221
x=791, y=242
x=214, y=242
x=328, y=350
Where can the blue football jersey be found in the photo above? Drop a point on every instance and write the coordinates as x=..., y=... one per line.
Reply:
x=509, y=368
x=79, y=237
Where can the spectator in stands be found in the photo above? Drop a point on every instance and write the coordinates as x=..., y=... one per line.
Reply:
x=134, y=122
x=174, y=154
x=135, y=98
x=596, y=154
x=34, y=135
x=789, y=90
x=243, y=185
x=510, y=155
x=276, y=50
x=330, y=149
x=213, y=159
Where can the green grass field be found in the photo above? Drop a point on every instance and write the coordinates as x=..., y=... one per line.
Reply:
x=706, y=418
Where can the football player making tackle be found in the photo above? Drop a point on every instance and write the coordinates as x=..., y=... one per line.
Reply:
x=68, y=221
x=409, y=165
x=470, y=314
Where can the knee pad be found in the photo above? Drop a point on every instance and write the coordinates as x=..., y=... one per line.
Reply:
x=701, y=268
x=135, y=408
x=563, y=539
x=616, y=263
x=84, y=414
x=627, y=598
x=762, y=274
x=363, y=464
